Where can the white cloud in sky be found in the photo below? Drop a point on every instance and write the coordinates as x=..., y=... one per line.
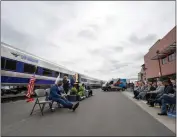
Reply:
x=103, y=39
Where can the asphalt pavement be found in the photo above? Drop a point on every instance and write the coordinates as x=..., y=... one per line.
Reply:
x=104, y=114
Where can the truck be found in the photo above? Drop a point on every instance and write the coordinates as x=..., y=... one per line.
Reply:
x=115, y=84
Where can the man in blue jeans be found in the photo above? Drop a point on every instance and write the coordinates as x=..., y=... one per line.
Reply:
x=167, y=99
x=55, y=95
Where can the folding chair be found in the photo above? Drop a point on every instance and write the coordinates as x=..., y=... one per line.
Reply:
x=47, y=98
x=41, y=100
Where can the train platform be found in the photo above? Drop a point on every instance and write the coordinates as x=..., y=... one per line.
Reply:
x=104, y=114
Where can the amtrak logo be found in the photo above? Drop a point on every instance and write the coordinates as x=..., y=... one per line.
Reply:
x=15, y=54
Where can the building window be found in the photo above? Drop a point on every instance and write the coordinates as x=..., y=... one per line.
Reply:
x=2, y=63
x=164, y=60
x=10, y=64
x=47, y=72
x=28, y=68
x=172, y=57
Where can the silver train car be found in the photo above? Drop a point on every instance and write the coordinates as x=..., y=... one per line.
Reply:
x=17, y=67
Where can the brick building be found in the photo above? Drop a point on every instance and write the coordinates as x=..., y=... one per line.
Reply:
x=161, y=58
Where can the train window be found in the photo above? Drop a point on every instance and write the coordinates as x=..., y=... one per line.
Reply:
x=2, y=63
x=56, y=74
x=10, y=64
x=38, y=70
x=28, y=68
x=83, y=80
x=61, y=75
x=47, y=72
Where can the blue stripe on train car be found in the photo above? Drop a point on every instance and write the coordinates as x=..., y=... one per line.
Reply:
x=5, y=79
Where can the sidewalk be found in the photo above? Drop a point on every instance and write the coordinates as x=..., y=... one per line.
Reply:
x=165, y=120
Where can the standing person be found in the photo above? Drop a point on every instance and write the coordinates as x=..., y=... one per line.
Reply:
x=65, y=84
x=133, y=86
x=72, y=81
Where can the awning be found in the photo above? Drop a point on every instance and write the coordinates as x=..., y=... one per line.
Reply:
x=170, y=49
x=167, y=51
x=159, y=56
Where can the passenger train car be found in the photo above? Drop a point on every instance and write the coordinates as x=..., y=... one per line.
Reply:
x=17, y=67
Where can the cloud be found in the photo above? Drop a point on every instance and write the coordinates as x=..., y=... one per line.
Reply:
x=87, y=33
x=101, y=39
x=143, y=40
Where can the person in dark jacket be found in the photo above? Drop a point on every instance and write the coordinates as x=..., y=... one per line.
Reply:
x=72, y=81
x=55, y=95
x=167, y=89
x=173, y=81
x=65, y=84
x=151, y=87
x=152, y=94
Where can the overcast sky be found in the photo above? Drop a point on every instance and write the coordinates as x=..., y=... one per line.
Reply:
x=101, y=39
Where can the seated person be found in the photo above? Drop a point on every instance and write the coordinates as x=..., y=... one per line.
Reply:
x=55, y=95
x=140, y=89
x=173, y=81
x=151, y=88
x=154, y=85
x=167, y=89
x=136, y=90
x=87, y=87
x=167, y=99
x=143, y=93
x=153, y=93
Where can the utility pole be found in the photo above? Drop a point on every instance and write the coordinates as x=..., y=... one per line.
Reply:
x=159, y=63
